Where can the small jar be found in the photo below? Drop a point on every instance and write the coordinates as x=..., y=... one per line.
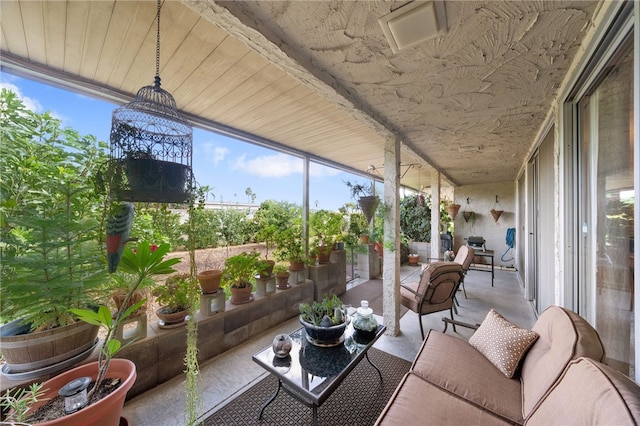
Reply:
x=364, y=319
x=282, y=345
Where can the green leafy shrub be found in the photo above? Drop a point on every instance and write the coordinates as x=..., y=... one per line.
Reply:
x=50, y=217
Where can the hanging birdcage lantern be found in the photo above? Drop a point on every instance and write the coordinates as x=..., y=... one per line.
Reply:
x=151, y=146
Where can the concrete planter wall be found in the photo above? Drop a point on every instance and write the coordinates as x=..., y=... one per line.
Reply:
x=159, y=356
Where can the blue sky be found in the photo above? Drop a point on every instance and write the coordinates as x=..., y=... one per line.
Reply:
x=226, y=165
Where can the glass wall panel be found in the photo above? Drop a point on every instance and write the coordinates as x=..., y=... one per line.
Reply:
x=608, y=201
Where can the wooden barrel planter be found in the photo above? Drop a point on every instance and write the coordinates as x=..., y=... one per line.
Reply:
x=24, y=351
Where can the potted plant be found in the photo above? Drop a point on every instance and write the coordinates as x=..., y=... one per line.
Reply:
x=173, y=296
x=281, y=271
x=239, y=275
x=289, y=248
x=365, y=196
x=51, y=259
x=265, y=267
x=325, y=227
x=324, y=322
x=106, y=411
x=209, y=278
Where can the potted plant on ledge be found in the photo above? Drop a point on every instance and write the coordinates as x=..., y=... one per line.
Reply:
x=239, y=275
x=173, y=297
x=106, y=411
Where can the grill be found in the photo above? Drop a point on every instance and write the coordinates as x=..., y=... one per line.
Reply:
x=477, y=243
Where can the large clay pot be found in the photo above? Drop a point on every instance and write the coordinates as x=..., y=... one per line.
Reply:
x=24, y=351
x=413, y=259
x=105, y=412
x=209, y=280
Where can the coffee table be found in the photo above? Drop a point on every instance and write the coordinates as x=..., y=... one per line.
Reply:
x=310, y=373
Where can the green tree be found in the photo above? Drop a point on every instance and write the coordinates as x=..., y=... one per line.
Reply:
x=50, y=216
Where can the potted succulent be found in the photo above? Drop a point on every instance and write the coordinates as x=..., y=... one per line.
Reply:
x=324, y=322
x=173, y=296
x=239, y=275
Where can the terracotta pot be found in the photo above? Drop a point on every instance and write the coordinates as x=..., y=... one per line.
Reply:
x=364, y=239
x=413, y=259
x=283, y=280
x=173, y=317
x=209, y=280
x=267, y=273
x=105, y=412
x=378, y=247
x=296, y=265
x=240, y=295
x=119, y=296
x=24, y=351
x=324, y=254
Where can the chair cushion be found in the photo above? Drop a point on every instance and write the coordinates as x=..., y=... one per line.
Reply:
x=589, y=392
x=452, y=364
x=502, y=343
x=416, y=401
x=564, y=336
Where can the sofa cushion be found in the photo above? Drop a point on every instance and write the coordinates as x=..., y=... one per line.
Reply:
x=589, y=392
x=563, y=336
x=502, y=343
x=416, y=401
x=452, y=364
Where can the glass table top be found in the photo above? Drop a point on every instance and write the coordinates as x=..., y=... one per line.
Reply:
x=316, y=371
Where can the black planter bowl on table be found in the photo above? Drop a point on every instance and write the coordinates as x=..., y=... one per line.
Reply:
x=324, y=336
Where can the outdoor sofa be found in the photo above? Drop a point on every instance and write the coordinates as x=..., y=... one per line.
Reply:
x=557, y=378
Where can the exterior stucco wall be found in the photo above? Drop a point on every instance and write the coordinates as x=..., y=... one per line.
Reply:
x=482, y=198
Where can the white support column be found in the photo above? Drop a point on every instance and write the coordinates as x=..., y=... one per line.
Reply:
x=391, y=270
x=305, y=205
x=435, y=214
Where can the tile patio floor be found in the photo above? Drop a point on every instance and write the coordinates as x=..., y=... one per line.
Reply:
x=227, y=375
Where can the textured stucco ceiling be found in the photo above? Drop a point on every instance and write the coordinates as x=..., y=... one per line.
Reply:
x=470, y=101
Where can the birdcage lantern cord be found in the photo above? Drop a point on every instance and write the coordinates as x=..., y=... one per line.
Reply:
x=151, y=145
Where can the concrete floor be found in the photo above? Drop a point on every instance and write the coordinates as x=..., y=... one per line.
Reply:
x=229, y=374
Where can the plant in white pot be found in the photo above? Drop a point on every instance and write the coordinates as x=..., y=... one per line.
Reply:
x=143, y=263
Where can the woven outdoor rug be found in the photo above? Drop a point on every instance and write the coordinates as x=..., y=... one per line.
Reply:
x=372, y=292
x=358, y=400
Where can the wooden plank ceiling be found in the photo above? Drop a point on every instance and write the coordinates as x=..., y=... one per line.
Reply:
x=318, y=77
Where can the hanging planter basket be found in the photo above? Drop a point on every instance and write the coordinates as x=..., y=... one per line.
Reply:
x=468, y=215
x=452, y=210
x=368, y=205
x=496, y=214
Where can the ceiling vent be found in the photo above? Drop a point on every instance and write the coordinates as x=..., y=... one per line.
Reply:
x=414, y=23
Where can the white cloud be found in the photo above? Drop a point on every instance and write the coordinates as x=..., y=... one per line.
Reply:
x=279, y=165
x=276, y=165
x=30, y=103
x=318, y=170
x=213, y=152
x=219, y=153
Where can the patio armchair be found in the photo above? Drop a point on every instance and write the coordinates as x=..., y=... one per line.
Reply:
x=464, y=257
x=434, y=292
